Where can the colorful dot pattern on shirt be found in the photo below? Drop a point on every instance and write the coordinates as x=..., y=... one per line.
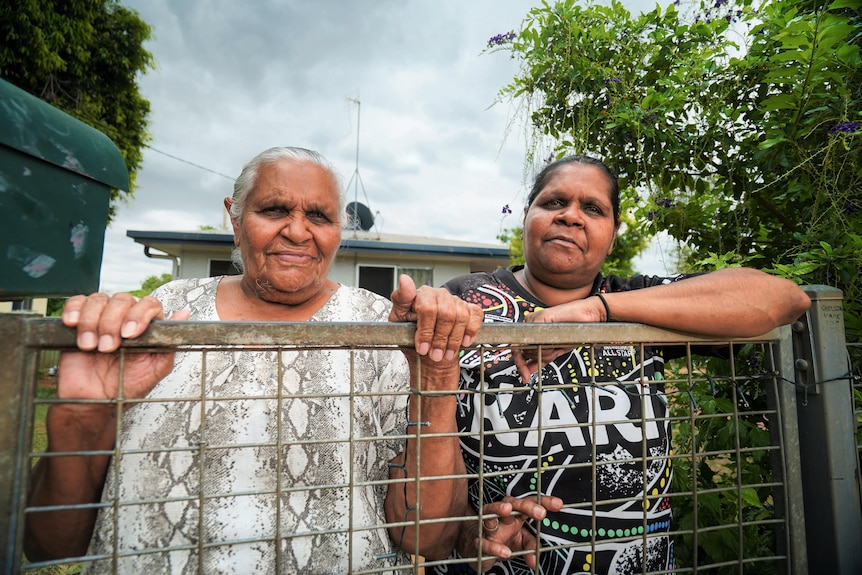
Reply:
x=602, y=533
x=586, y=406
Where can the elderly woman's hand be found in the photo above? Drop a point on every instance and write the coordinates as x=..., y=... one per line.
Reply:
x=444, y=323
x=102, y=322
x=505, y=534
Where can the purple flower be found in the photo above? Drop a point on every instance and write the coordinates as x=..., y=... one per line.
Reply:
x=652, y=215
x=845, y=127
x=851, y=207
x=507, y=209
x=665, y=202
x=754, y=362
x=501, y=39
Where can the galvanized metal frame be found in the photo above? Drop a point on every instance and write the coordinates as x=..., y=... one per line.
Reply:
x=22, y=337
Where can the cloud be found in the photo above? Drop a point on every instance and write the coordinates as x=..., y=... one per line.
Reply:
x=234, y=78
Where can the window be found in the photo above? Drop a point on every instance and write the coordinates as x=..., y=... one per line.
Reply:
x=222, y=268
x=421, y=276
x=381, y=279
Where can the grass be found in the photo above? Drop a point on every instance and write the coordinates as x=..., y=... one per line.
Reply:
x=46, y=389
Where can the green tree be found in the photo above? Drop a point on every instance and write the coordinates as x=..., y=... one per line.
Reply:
x=54, y=306
x=84, y=57
x=150, y=284
x=736, y=130
x=735, y=127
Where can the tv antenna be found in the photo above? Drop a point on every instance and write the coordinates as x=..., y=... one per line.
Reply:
x=358, y=214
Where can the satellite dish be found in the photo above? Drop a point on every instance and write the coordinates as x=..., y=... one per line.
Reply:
x=359, y=216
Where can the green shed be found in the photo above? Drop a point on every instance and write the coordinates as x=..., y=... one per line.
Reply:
x=56, y=174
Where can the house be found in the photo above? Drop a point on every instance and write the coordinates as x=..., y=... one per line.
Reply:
x=365, y=258
x=36, y=305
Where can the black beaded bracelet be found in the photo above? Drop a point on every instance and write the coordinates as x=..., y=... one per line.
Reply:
x=604, y=303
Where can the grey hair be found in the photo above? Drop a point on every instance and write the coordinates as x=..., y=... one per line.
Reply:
x=247, y=180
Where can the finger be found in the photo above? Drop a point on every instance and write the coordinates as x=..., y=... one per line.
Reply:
x=180, y=315
x=85, y=314
x=402, y=299
x=549, y=354
x=536, y=509
x=528, y=542
x=490, y=526
x=72, y=310
x=493, y=548
x=453, y=315
x=434, y=323
x=120, y=315
x=455, y=322
x=502, y=508
x=464, y=323
x=551, y=503
x=543, y=315
x=474, y=323
x=525, y=367
x=139, y=316
x=105, y=320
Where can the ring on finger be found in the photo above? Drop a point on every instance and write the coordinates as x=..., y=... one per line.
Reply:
x=493, y=527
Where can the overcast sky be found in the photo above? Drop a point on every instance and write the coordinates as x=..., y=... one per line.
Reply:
x=437, y=157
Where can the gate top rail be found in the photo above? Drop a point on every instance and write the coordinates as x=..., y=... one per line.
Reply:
x=51, y=333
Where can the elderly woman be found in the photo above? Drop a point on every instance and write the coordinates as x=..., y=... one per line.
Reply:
x=571, y=220
x=285, y=212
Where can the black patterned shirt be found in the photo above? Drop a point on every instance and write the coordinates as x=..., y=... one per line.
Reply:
x=602, y=411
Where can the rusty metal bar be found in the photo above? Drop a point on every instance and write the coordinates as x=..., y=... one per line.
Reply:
x=23, y=336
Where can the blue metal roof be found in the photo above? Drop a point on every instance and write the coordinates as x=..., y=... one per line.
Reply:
x=426, y=247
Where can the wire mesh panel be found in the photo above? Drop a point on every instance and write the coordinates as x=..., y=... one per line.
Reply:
x=272, y=451
x=855, y=352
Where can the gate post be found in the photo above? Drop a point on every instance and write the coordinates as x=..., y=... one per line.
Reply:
x=16, y=409
x=827, y=436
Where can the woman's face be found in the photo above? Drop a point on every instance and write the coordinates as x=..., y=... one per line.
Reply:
x=289, y=231
x=569, y=228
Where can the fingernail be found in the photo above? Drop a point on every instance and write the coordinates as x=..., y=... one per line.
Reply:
x=423, y=348
x=504, y=552
x=87, y=340
x=106, y=342
x=73, y=316
x=466, y=341
x=436, y=355
x=450, y=354
x=128, y=328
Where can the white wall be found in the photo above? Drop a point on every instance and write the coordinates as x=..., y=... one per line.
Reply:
x=195, y=263
x=40, y=305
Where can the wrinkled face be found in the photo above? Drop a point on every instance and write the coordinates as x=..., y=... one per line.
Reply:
x=289, y=231
x=569, y=228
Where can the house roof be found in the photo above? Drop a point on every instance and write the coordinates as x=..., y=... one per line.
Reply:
x=352, y=241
